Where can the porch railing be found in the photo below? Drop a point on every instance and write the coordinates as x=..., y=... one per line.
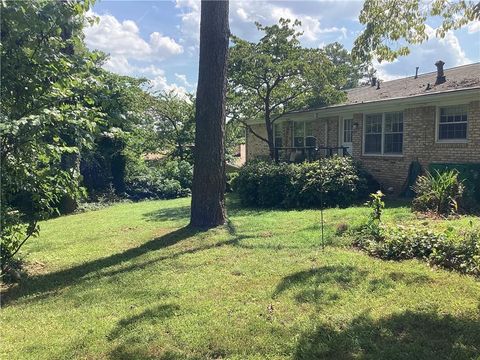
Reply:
x=308, y=153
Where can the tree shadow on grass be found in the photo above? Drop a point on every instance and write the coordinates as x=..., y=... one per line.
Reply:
x=45, y=285
x=408, y=335
x=315, y=285
x=133, y=343
x=169, y=214
x=151, y=315
x=326, y=285
x=183, y=212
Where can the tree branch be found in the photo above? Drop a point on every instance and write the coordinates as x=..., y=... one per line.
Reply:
x=253, y=132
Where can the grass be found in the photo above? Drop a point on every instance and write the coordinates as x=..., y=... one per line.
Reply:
x=133, y=282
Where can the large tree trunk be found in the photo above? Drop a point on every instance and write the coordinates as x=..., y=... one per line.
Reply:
x=208, y=189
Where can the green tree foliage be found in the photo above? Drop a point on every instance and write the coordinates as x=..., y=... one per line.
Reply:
x=348, y=72
x=234, y=136
x=174, y=122
x=391, y=25
x=47, y=113
x=124, y=104
x=277, y=76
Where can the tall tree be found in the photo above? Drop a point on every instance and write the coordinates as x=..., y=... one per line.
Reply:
x=391, y=25
x=174, y=120
x=47, y=112
x=353, y=72
x=276, y=76
x=208, y=189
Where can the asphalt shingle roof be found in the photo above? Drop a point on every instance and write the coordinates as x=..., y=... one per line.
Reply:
x=457, y=78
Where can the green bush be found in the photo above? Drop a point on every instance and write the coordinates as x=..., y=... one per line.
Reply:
x=167, y=180
x=470, y=175
x=440, y=192
x=264, y=184
x=335, y=181
x=448, y=249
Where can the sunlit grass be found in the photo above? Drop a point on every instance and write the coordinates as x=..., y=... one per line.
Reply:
x=132, y=282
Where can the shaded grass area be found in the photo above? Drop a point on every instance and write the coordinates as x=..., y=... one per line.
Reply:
x=133, y=282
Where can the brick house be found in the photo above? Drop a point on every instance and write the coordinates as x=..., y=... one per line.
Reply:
x=430, y=118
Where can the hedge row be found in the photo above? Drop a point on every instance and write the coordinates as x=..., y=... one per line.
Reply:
x=335, y=181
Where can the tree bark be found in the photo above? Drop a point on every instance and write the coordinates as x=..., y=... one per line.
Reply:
x=208, y=188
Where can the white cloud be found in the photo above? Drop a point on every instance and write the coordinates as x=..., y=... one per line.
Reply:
x=119, y=64
x=190, y=19
x=383, y=73
x=123, y=39
x=448, y=47
x=183, y=79
x=243, y=14
x=130, y=54
x=473, y=27
x=160, y=83
x=424, y=56
x=334, y=29
x=161, y=44
x=310, y=25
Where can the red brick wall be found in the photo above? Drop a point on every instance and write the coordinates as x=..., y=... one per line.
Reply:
x=418, y=144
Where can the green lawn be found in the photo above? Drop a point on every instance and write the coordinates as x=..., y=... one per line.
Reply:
x=132, y=282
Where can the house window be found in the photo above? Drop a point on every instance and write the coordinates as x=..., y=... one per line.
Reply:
x=383, y=134
x=299, y=134
x=347, y=130
x=393, y=141
x=303, y=134
x=452, y=124
x=373, y=134
x=278, y=135
x=310, y=140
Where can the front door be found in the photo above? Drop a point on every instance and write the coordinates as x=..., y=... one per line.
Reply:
x=346, y=130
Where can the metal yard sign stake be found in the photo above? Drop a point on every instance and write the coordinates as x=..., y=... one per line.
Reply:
x=321, y=204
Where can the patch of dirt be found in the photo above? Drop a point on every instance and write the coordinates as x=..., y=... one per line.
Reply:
x=431, y=215
x=19, y=271
x=161, y=232
x=266, y=234
x=128, y=228
x=35, y=268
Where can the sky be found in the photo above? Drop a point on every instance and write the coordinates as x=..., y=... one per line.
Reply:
x=159, y=40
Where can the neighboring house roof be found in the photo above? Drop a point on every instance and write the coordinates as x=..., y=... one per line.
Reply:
x=457, y=78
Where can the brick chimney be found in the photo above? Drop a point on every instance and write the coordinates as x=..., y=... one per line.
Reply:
x=440, y=75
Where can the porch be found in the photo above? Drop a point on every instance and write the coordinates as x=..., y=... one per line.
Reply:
x=308, y=153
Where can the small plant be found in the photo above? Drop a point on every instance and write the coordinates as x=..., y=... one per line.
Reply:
x=439, y=193
x=448, y=249
x=373, y=226
x=341, y=228
x=377, y=205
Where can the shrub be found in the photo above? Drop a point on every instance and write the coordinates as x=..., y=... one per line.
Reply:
x=440, y=192
x=447, y=249
x=335, y=181
x=264, y=184
x=168, y=180
x=470, y=175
